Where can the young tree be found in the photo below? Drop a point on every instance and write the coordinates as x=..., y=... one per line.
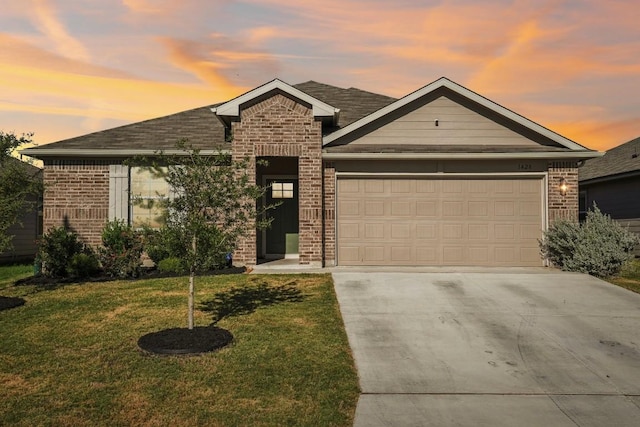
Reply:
x=213, y=204
x=17, y=182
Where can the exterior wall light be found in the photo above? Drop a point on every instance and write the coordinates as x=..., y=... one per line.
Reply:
x=563, y=186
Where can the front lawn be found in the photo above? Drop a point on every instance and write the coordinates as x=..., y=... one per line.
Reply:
x=629, y=277
x=69, y=356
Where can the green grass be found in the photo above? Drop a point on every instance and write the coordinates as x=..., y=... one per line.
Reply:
x=629, y=277
x=69, y=357
x=11, y=273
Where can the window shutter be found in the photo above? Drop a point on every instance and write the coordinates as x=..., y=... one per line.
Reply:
x=118, y=192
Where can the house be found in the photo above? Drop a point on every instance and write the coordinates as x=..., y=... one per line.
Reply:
x=442, y=176
x=613, y=183
x=29, y=227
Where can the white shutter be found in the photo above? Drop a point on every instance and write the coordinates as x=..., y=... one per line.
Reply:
x=118, y=192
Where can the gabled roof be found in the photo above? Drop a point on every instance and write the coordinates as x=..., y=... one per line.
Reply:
x=231, y=109
x=620, y=161
x=444, y=83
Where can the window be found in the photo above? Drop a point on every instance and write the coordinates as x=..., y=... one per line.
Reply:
x=146, y=193
x=282, y=190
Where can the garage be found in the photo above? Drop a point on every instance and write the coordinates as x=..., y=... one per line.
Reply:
x=438, y=221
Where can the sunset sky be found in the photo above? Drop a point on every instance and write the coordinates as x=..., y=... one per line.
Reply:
x=71, y=67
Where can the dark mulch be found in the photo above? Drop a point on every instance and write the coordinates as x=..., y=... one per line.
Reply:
x=151, y=273
x=10, y=302
x=183, y=341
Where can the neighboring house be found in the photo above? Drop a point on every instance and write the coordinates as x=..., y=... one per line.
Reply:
x=25, y=236
x=613, y=183
x=442, y=176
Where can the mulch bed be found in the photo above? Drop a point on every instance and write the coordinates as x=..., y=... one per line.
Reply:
x=183, y=341
x=10, y=302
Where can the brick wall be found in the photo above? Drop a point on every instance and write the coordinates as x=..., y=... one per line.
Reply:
x=563, y=206
x=280, y=126
x=77, y=195
x=329, y=214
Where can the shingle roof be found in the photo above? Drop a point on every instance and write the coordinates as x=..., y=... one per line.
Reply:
x=408, y=148
x=353, y=103
x=622, y=159
x=202, y=128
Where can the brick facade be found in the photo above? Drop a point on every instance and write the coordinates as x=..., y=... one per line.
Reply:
x=329, y=214
x=77, y=195
x=563, y=206
x=280, y=126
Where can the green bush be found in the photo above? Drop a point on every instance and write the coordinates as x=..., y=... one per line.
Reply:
x=163, y=243
x=600, y=246
x=57, y=248
x=172, y=265
x=121, y=250
x=83, y=265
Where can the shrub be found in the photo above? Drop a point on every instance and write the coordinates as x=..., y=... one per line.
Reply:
x=172, y=265
x=163, y=243
x=83, y=265
x=57, y=248
x=600, y=246
x=121, y=250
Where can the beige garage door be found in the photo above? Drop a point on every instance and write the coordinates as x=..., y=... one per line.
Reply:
x=427, y=221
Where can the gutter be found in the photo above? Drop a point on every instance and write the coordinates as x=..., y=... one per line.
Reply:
x=573, y=155
x=111, y=153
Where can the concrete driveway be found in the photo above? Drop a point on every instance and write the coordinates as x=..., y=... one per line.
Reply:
x=495, y=348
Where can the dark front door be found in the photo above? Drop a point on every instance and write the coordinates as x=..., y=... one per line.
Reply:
x=282, y=236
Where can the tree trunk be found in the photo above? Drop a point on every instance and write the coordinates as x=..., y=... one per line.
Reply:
x=191, y=277
x=192, y=274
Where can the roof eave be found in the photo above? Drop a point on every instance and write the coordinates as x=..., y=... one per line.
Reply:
x=43, y=153
x=231, y=108
x=546, y=155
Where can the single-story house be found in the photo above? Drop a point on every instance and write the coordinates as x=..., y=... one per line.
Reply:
x=441, y=176
x=613, y=183
x=28, y=229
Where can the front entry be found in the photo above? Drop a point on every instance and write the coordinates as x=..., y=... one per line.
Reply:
x=281, y=239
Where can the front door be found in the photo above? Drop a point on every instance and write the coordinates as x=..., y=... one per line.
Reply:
x=281, y=239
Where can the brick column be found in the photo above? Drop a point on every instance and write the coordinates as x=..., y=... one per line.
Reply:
x=329, y=214
x=563, y=206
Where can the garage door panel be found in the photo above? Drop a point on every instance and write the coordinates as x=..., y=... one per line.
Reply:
x=349, y=208
x=374, y=254
x=427, y=221
x=427, y=208
x=374, y=208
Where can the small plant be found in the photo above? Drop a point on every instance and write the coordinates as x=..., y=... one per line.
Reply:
x=600, y=246
x=83, y=265
x=172, y=265
x=57, y=248
x=121, y=250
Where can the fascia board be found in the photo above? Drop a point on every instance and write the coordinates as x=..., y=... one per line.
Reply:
x=576, y=155
x=444, y=82
x=232, y=108
x=94, y=152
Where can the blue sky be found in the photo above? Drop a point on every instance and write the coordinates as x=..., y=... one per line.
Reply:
x=70, y=67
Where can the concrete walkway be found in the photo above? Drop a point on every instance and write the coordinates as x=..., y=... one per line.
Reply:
x=492, y=348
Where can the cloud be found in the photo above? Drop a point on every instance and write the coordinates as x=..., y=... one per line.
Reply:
x=46, y=20
x=222, y=61
x=45, y=83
